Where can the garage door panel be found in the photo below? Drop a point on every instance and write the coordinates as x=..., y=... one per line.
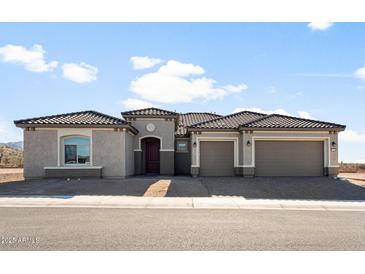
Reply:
x=289, y=158
x=217, y=158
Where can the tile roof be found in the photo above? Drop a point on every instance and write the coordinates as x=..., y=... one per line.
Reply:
x=149, y=112
x=232, y=121
x=82, y=118
x=289, y=122
x=190, y=118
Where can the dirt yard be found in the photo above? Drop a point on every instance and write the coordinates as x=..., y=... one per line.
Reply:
x=11, y=175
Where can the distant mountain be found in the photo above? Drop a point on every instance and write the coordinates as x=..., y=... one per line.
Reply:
x=14, y=145
x=10, y=157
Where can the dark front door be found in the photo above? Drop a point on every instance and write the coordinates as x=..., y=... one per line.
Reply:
x=152, y=155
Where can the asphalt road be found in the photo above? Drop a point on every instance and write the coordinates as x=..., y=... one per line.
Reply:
x=175, y=229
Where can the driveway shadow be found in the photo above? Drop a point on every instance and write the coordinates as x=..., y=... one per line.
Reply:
x=292, y=188
x=133, y=186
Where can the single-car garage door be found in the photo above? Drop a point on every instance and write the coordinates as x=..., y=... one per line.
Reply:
x=288, y=158
x=217, y=158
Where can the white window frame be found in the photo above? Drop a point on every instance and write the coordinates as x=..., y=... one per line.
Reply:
x=68, y=132
x=77, y=158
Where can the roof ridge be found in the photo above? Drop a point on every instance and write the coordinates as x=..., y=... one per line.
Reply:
x=258, y=119
x=228, y=116
x=70, y=114
x=53, y=116
x=294, y=117
x=107, y=115
x=142, y=109
x=203, y=112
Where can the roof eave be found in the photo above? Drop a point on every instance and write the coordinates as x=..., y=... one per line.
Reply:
x=291, y=129
x=27, y=125
x=211, y=129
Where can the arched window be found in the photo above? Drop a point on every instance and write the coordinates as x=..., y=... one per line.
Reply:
x=77, y=150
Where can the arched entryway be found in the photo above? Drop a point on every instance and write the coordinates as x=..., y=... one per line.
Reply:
x=151, y=151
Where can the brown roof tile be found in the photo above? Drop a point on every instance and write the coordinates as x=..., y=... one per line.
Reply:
x=154, y=112
x=190, y=118
x=82, y=118
x=232, y=121
x=289, y=122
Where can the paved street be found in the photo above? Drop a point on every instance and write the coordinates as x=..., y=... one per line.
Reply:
x=180, y=229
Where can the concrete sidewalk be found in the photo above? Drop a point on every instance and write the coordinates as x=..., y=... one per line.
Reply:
x=172, y=202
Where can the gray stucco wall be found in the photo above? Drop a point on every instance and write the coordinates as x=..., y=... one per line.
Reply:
x=40, y=150
x=164, y=130
x=129, y=154
x=183, y=160
x=109, y=152
x=167, y=166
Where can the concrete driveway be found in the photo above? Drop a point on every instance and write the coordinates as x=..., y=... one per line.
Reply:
x=297, y=188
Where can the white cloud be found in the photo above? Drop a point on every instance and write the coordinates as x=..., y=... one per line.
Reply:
x=304, y=114
x=79, y=73
x=177, y=82
x=175, y=68
x=360, y=73
x=237, y=88
x=352, y=136
x=144, y=62
x=32, y=59
x=301, y=114
x=320, y=25
x=132, y=103
x=9, y=133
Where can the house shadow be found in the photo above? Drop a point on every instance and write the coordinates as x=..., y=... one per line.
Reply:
x=140, y=186
x=288, y=188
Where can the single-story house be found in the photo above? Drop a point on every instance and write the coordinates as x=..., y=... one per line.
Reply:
x=157, y=141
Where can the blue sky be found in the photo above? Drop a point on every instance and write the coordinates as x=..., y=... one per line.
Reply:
x=294, y=68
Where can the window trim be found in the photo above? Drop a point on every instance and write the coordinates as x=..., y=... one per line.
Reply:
x=178, y=150
x=63, y=148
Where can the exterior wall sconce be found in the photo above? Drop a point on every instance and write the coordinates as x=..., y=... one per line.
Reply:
x=333, y=148
x=194, y=144
x=248, y=143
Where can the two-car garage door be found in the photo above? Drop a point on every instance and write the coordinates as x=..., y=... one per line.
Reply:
x=289, y=158
x=272, y=158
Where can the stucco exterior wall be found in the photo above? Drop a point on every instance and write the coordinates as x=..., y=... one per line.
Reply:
x=109, y=152
x=129, y=154
x=183, y=159
x=164, y=130
x=40, y=150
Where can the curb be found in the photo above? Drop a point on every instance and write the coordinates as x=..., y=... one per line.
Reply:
x=178, y=203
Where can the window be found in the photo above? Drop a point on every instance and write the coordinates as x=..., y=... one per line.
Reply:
x=77, y=150
x=182, y=146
